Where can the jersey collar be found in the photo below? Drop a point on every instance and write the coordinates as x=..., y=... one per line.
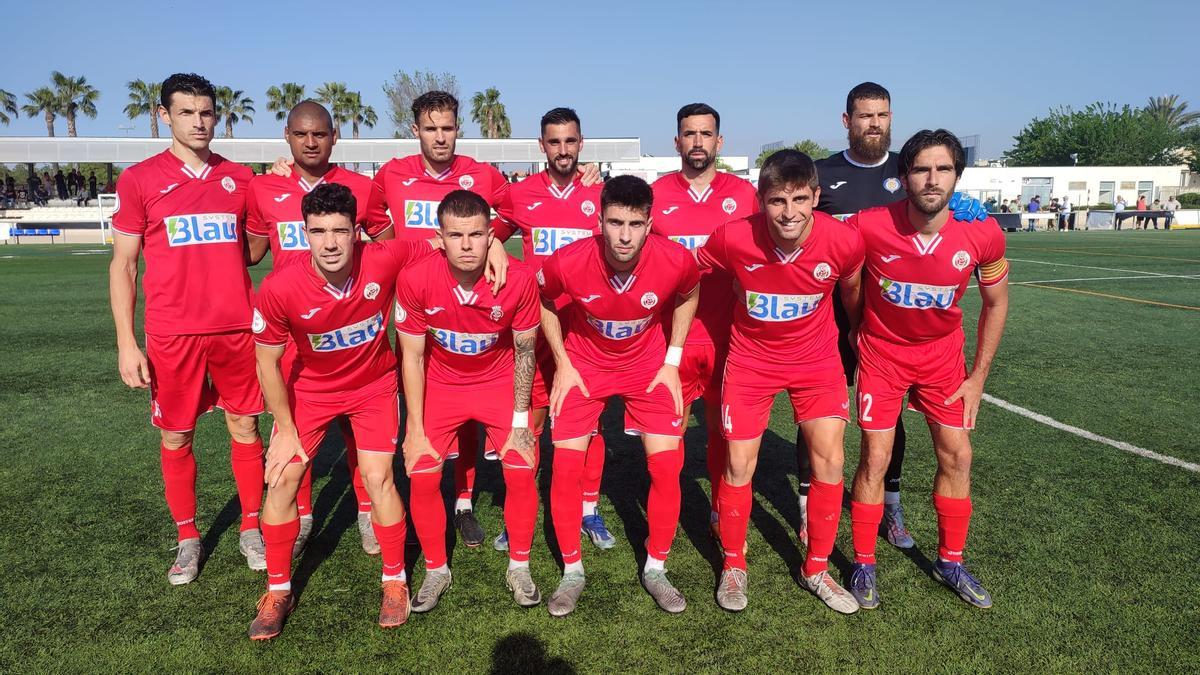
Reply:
x=696, y=197
x=554, y=190
x=200, y=173
x=886, y=156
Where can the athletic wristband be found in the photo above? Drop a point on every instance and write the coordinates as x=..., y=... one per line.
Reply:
x=674, y=356
x=521, y=420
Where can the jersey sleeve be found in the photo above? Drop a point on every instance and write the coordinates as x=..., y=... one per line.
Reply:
x=856, y=253
x=503, y=225
x=550, y=280
x=129, y=218
x=689, y=275
x=405, y=252
x=409, y=310
x=993, y=266
x=270, y=323
x=714, y=254
x=528, y=311
x=377, y=219
x=500, y=187
x=255, y=224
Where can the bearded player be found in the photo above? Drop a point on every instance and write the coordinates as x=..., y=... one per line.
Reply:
x=786, y=262
x=184, y=210
x=620, y=286
x=918, y=264
x=688, y=205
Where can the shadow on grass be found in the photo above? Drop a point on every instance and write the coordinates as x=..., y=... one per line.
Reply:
x=524, y=653
x=335, y=508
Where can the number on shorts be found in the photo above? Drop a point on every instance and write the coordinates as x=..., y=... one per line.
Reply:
x=864, y=407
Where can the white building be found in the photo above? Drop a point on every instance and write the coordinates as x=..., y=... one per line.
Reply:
x=1085, y=185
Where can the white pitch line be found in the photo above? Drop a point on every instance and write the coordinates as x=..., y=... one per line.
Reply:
x=1084, y=433
x=1048, y=281
x=1089, y=267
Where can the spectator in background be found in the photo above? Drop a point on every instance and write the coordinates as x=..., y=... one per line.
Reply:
x=1172, y=206
x=72, y=182
x=92, y=185
x=1033, y=206
x=48, y=184
x=1141, y=206
x=81, y=195
x=1064, y=215
x=1004, y=206
x=1118, y=207
x=990, y=205
x=60, y=184
x=1153, y=219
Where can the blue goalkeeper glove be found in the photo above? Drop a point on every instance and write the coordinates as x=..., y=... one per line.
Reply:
x=967, y=208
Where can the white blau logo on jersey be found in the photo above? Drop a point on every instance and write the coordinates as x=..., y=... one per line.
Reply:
x=466, y=344
x=347, y=337
x=891, y=184
x=292, y=236
x=689, y=241
x=201, y=228
x=618, y=330
x=466, y=182
x=587, y=207
x=398, y=312
x=775, y=307
x=420, y=214
x=259, y=324
x=917, y=296
x=228, y=184
x=822, y=271
x=649, y=300
x=547, y=240
x=961, y=260
x=729, y=205
x=371, y=291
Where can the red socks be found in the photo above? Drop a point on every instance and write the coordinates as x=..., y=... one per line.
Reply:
x=734, y=514
x=824, y=508
x=864, y=524
x=391, y=545
x=304, y=493
x=662, y=504
x=464, y=466
x=593, y=469
x=428, y=513
x=566, y=502
x=280, y=539
x=954, y=516
x=520, y=506
x=179, y=483
x=247, y=461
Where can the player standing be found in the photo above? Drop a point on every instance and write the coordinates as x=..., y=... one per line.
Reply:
x=688, y=205
x=620, y=285
x=274, y=221
x=787, y=262
x=918, y=264
x=468, y=357
x=550, y=210
x=184, y=207
x=333, y=309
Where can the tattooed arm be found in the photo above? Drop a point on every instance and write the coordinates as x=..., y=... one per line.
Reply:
x=521, y=438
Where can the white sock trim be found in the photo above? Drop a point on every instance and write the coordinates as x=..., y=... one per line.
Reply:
x=462, y=504
x=573, y=568
x=403, y=576
x=285, y=586
x=517, y=564
x=590, y=508
x=653, y=563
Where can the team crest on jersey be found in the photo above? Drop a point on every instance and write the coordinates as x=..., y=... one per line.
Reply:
x=259, y=324
x=588, y=208
x=399, y=313
x=961, y=260
x=822, y=271
x=228, y=184
x=466, y=182
x=371, y=291
x=891, y=184
x=649, y=300
x=729, y=205
x=497, y=313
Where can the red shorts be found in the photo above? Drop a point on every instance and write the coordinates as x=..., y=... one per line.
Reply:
x=449, y=407
x=543, y=377
x=701, y=370
x=749, y=393
x=191, y=373
x=373, y=410
x=645, y=413
x=929, y=373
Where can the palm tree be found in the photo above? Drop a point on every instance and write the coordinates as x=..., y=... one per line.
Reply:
x=281, y=99
x=75, y=96
x=233, y=106
x=358, y=114
x=1171, y=110
x=144, y=100
x=488, y=112
x=43, y=101
x=333, y=95
x=8, y=106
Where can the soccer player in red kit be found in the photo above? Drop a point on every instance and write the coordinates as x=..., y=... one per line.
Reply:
x=334, y=309
x=550, y=210
x=184, y=209
x=786, y=263
x=688, y=205
x=467, y=356
x=621, y=285
x=919, y=261
x=274, y=222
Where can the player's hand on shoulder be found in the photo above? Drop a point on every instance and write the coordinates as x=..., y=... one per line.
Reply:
x=589, y=174
x=282, y=167
x=134, y=369
x=496, y=270
x=967, y=208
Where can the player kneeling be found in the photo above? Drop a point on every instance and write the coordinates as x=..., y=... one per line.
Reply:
x=786, y=262
x=467, y=356
x=334, y=309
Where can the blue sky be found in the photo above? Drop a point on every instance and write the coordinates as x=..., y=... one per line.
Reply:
x=775, y=70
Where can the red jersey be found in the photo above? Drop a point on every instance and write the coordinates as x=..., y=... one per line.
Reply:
x=688, y=217
x=273, y=210
x=548, y=218
x=913, y=284
x=405, y=189
x=468, y=334
x=340, y=333
x=613, y=323
x=191, y=225
x=784, y=318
